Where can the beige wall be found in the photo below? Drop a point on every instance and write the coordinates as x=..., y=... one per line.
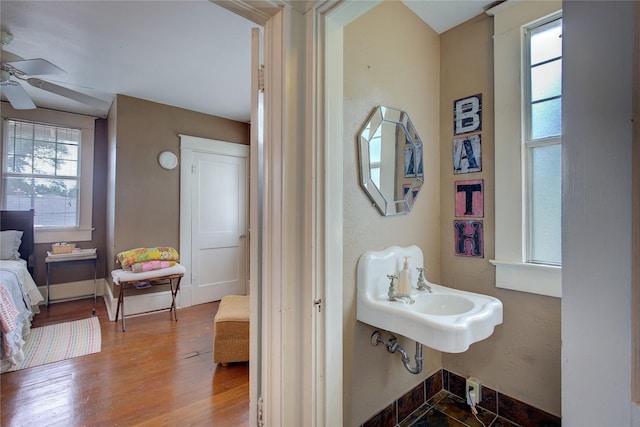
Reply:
x=144, y=199
x=522, y=357
x=391, y=58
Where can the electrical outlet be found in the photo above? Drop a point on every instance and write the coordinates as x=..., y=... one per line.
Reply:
x=473, y=391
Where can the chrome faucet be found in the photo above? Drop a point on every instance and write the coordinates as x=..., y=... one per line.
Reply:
x=422, y=282
x=394, y=295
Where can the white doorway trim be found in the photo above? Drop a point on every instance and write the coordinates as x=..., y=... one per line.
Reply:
x=189, y=145
x=256, y=171
x=327, y=121
x=295, y=333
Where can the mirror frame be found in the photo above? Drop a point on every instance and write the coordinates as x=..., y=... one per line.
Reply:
x=388, y=132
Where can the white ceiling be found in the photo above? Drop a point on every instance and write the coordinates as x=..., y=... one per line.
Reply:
x=442, y=15
x=191, y=54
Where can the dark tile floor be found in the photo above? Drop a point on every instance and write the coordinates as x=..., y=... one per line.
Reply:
x=448, y=410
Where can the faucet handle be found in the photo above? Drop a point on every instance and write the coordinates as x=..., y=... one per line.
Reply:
x=392, y=290
x=422, y=282
x=392, y=277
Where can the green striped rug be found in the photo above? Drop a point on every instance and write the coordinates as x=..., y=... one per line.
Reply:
x=61, y=341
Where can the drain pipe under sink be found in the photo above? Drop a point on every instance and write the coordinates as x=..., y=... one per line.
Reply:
x=393, y=346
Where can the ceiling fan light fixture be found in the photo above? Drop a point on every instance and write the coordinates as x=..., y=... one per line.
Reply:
x=6, y=38
x=23, y=70
x=5, y=76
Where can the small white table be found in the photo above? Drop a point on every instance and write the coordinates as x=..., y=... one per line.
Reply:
x=78, y=255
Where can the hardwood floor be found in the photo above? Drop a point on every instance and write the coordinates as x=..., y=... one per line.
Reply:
x=157, y=373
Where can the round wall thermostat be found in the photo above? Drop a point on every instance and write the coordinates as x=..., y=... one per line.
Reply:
x=168, y=160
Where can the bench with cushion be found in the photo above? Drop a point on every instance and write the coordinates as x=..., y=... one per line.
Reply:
x=231, y=330
x=127, y=280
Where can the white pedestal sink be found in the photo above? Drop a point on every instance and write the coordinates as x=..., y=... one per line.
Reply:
x=445, y=319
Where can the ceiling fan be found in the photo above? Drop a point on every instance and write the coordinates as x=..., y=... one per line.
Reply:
x=16, y=71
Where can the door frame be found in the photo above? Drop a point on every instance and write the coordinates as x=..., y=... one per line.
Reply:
x=325, y=103
x=188, y=145
x=302, y=39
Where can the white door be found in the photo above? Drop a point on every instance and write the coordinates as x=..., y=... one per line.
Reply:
x=215, y=178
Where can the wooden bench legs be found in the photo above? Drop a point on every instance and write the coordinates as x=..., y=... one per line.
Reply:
x=172, y=281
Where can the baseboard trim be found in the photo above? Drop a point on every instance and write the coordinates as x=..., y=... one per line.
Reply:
x=111, y=302
x=139, y=305
x=73, y=290
x=135, y=305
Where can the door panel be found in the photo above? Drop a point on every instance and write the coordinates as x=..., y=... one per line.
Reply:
x=219, y=258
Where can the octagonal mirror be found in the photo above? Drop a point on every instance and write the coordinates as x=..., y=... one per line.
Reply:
x=390, y=154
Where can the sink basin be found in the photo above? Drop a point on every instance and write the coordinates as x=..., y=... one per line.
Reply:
x=445, y=319
x=441, y=304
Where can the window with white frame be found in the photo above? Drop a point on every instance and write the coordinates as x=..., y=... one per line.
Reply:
x=43, y=172
x=47, y=166
x=528, y=99
x=543, y=120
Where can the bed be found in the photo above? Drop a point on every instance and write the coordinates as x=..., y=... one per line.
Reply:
x=19, y=294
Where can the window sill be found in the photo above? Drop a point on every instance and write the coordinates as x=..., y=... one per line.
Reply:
x=63, y=235
x=526, y=277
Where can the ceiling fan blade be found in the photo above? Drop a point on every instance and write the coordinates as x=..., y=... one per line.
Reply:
x=7, y=56
x=17, y=96
x=36, y=67
x=68, y=93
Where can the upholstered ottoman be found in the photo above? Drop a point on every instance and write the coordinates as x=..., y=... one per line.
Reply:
x=231, y=330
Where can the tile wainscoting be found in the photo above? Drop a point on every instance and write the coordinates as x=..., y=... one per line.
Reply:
x=440, y=401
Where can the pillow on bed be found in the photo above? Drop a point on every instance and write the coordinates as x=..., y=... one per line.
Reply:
x=10, y=241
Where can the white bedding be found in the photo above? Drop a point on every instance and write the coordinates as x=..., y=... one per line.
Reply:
x=19, y=299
